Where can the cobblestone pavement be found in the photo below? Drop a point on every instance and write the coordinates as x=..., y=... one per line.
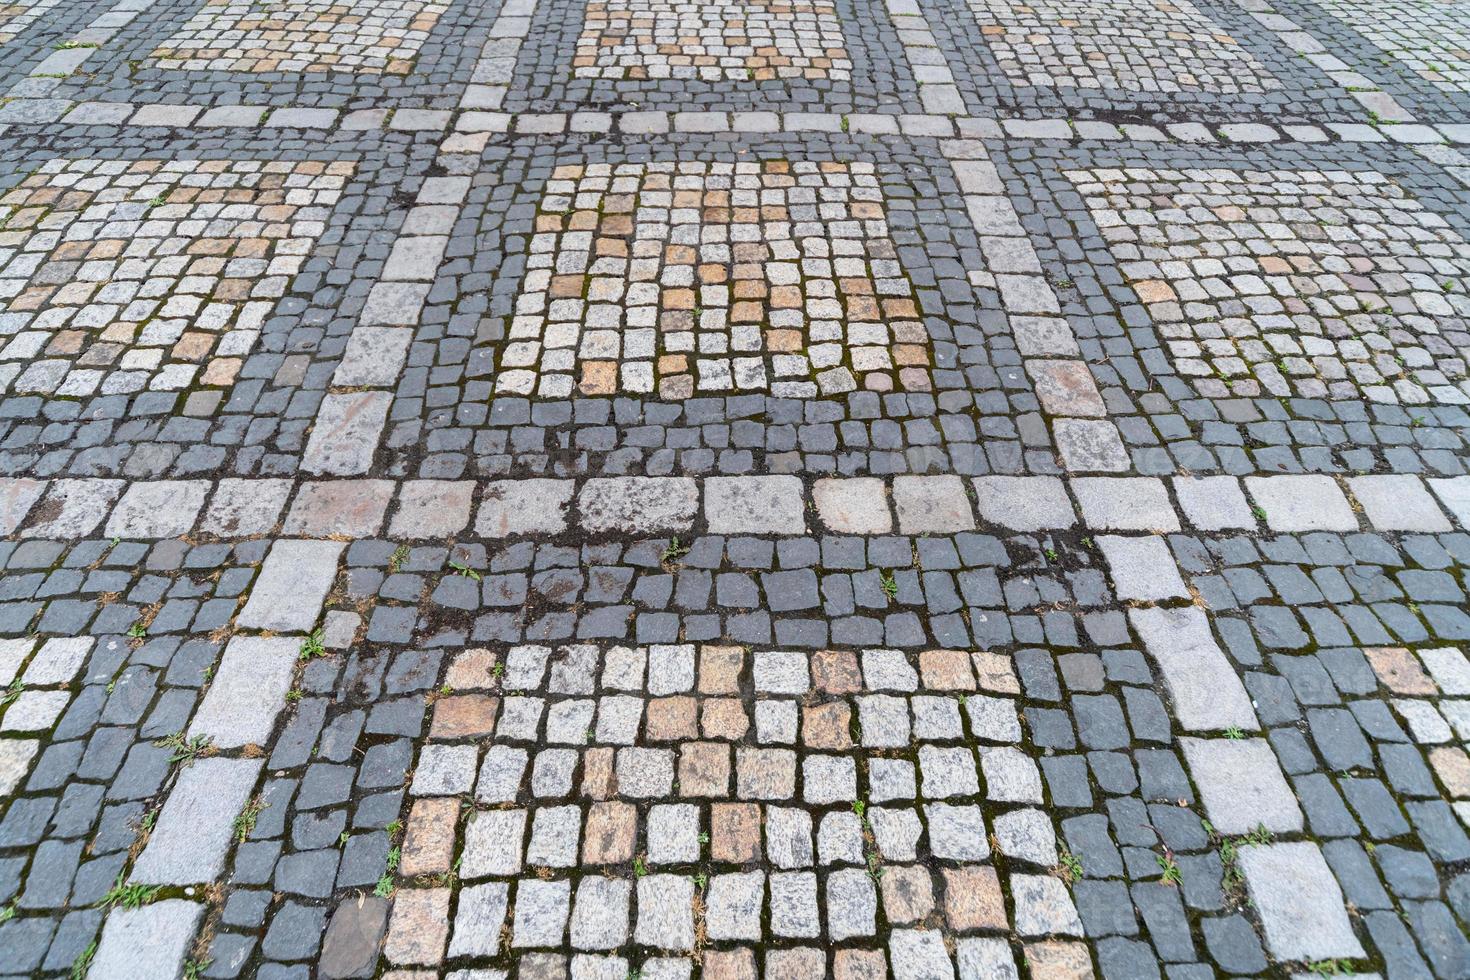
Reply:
x=609, y=489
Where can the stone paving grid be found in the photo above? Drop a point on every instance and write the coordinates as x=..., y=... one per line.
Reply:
x=865, y=68
x=112, y=263
x=248, y=35
x=713, y=42
x=992, y=679
x=165, y=429
x=1376, y=308
x=1428, y=39
x=1080, y=59
x=308, y=58
x=1220, y=432
x=1347, y=36
x=1152, y=48
x=468, y=426
x=661, y=279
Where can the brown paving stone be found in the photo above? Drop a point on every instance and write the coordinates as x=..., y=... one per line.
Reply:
x=724, y=718
x=1452, y=764
x=733, y=964
x=836, y=672
x=973, y=899
x=670, y=719
x=826, y=726
x=946, y=670
x=735, y=832
x=802, y=963
x=719, y=669
x=428, y=843
x=1400, y=671
x=859, y=964
x=996, y=673
x=464, y=716
x=908, y=893
x=1058, y=961
x=611, y=828
x=704, y=769
x=474, y=670
x=598, y=774
x=419, y=928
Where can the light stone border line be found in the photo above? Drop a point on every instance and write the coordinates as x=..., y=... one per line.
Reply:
x=1298, y=40
x=1454, y=162
x=479, y=119
x=240, y=711
x=755, y=505
x=495, y=70
x=1063, y=382
x=64, y=62
x=1238, y=780
x=938, y=92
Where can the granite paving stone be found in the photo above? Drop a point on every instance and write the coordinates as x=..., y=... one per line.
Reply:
x=619, y=488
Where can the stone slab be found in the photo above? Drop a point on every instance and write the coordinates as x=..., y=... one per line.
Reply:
x=191, y=837
x=1299, y=902
x=1241, y=785
x=535, y=506
x=1206, y=693
x=248, y=691
x=754, y=505
x=293, y=582
x=147, y=943
x=637, y=504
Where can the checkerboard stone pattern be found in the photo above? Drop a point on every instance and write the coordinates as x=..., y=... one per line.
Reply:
x=1293, y=282
x=119, y=276
x=364, y=36
x=693, y=278
x=759, y=40
x=1164, y=46
x=637, y=807
x=1431, y=38
x=19, y=15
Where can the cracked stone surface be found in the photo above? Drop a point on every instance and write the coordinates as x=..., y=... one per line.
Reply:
x=804, y=488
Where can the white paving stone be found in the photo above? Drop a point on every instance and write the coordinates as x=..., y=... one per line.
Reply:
x=146, y=943
x=1302, y=503
x=1299, y=902
x=637, y=504
x=1024, y=503
x=1398, y=502
x=247, y=692
x=192, y=835
x=1241, y=785
x=1203, y=686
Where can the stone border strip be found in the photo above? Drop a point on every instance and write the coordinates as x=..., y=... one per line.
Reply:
x=1063, y=382
x=1301, y=42
x=482, y=119
x=1238, y=779
x=239, y=713
x=738, y=505
x=938, y=93
x=496, y=66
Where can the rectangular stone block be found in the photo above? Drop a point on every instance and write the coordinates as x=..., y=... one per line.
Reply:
x=248, y=691
x=293, y=582
x=1206, y=692
x=191, y=838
